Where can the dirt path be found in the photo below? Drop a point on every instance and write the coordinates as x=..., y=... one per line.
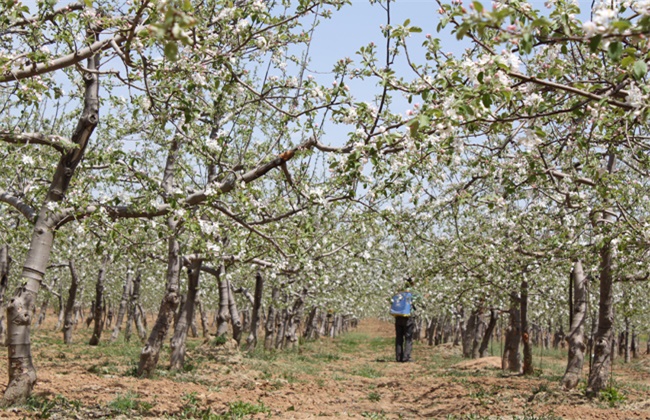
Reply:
x=351, y=376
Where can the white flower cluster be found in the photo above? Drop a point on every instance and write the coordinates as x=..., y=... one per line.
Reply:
x=603, y=16
x=635, y=96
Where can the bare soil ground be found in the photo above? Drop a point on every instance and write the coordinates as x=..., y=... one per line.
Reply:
x=350, y=376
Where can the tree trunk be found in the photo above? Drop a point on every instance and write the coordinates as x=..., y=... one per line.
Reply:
x=140, y=322
x=131, y=319
x=178, y=341
x=279, y=328
x=295, y=319
x=59, y=321
x=99, y=307
x=511, y=359
x=151, y=351
x=41, y=315
x=5, y=263
x=269, y=326
x=626, y=340
x=483, y=349
x=251, y=341
x=224, y=311
x=602, y=361
x=68, y=321
x=22, y=374
x=235, y=321
x=124, y=303
x=204, y=318
x=525, y=331
x=576, y=338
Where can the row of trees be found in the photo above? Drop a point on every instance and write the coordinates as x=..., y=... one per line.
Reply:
x=193, y=136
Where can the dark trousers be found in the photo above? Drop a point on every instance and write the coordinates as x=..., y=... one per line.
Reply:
x=404, y=327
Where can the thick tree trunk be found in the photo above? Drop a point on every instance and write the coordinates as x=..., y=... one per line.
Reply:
x=525, y=331
x=511, y=359
x=22, y=374
x=602, y=360
x=311, y=327
x=179, y=339
x=251, y=340
x=483, y=349
x=124, y=303
x=68, y=321
x=99, y=309
x=224, y=311
x=576, y=338
x=269, y=326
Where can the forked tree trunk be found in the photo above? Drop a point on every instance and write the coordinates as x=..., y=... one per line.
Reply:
x=511, y=359
x=235, y=320
x=99, y=309
x=22, y=374
x=68, y=316
x=251, y=340
x=494, y=317
x=179, y=339
x=269, y=326
x=224, y=311
x=124, y=303
x=525, y=331
x=576, y=338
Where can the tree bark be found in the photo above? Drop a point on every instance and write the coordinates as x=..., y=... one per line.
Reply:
x=68, y=321
x=140, y=321
x=483, y=349
x=269, y=326
x=22, y=374
x=511, y=359
x=124, y=303
x=151, y=351
x=294, y=320
x=99, y=307
x=576, y=338
x=235, y=320
x=525, y=331
x=251, y=340
x=601, y=364
x=179, y=339
x=204, y=318
x=5, y=264
x=224, y=311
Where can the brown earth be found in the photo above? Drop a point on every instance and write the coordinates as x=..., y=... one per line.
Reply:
x=350, y=376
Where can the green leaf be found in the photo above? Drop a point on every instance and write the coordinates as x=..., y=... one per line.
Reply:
x=595, y=42
x=478, y=6
x=171, y=50
x=639, y=69
x=615, y=50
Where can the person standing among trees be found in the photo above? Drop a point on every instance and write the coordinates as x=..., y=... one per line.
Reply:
x=403, y=309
